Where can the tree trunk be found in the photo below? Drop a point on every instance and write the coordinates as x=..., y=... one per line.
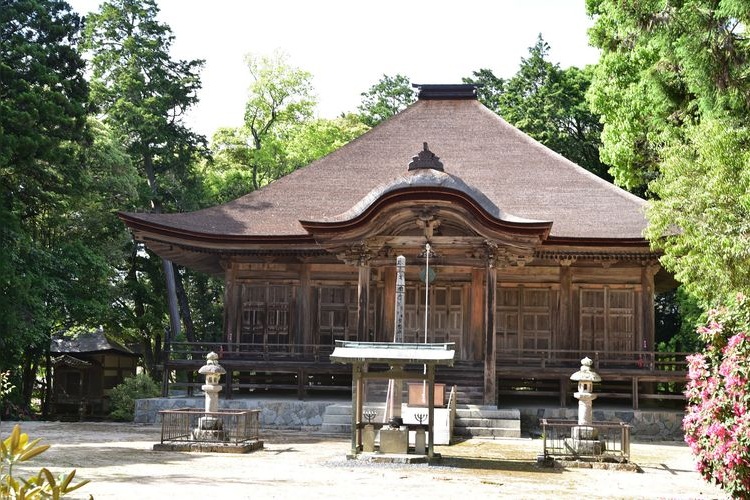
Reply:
x=187, y=317
x=174, y=312
x=47, y=397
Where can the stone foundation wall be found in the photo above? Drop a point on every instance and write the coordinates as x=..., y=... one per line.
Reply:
x=275, y=414
x=646, y=425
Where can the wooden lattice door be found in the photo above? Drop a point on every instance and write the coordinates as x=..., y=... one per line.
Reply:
x=266, y=313
x=607, y=320
x=445, y=321
x=523, y=318
x=337, y=314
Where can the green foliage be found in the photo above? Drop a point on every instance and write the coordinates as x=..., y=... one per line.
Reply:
x=549, y=104
x=123, y=396
x=141, y=92
x=43, y=105
x=702, y=215
x=677, y=316
x=56, y=220
x=142, y=95
x=386, y=98
x=279, y=134
x=17, y=448
x=664, y=65
x=6, y=386
x=310, y=140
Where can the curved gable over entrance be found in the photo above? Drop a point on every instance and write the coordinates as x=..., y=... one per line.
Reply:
x=428, y=205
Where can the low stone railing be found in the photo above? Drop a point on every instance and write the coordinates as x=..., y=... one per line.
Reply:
x=614, y=438
x=195, y=425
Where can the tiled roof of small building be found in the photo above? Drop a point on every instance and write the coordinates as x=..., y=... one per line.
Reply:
x=86, y=342
x=517, y=174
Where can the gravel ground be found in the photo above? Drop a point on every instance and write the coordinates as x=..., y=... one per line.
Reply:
x=120, y=462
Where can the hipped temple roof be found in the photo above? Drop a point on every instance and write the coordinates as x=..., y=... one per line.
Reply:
x=518, y=175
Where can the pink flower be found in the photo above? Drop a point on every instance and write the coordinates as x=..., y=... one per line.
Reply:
x=736, y=340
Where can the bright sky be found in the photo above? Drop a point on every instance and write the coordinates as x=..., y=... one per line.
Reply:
x=349, y=45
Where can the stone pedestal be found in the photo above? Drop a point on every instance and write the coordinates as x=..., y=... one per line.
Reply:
x=420, y=442
x=394, y=440
x=584, y=432
x=368, y=438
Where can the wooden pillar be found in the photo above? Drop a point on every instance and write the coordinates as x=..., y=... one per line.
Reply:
x=567, y=339
x=647, y=306
x=363, y=302
x=232, y=290
x=490, y=396
x=385, y=333
x=475, y=338
x=356, y=405
x=431, y=410
x=304, y=317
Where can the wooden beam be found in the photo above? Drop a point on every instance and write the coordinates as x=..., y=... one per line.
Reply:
x=431, y=410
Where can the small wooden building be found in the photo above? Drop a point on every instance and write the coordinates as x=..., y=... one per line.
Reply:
x=537, y=261
x=85, y=368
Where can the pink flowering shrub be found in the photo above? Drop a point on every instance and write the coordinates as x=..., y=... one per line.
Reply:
x=717, y=421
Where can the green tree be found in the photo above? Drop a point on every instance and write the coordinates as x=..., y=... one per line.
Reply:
x=701, y=217
x=386, y=98
x=549, y=104
x=245, y=158
x=673, y=87
x=43, y=97
x=664, y=65
x=143, y=95
x=229, y=173
x=280, y=95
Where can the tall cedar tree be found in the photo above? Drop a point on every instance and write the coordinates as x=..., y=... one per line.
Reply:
x=142, y=93
x=549, y=104
x=673, y=87
x=42, y=121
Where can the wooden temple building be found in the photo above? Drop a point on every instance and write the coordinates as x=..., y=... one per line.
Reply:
x=85, y=369
x=534, y=261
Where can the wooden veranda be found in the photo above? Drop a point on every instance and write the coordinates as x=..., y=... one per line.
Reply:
x=522, y=375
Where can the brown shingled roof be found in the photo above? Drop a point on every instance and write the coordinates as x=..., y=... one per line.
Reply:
x=516, y=173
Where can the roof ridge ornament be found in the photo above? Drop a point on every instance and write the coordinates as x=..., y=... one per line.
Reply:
x=425, y=159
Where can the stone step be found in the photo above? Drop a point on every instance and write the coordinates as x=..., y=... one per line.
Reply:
x=486, y=432
x=337, y=419
x=328, y=428
x=342, y=409
x=493, y=423
x=476, y=411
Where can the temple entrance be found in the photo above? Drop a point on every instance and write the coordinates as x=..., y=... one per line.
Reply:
x=445, y=314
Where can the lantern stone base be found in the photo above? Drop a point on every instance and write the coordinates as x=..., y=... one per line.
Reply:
x=585, y=440
x=209, y=429
x=584, y=432
x=246, y=447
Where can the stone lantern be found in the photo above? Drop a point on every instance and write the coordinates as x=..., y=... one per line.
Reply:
x=585, y=438
x=210, y=427
x=213, y=372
